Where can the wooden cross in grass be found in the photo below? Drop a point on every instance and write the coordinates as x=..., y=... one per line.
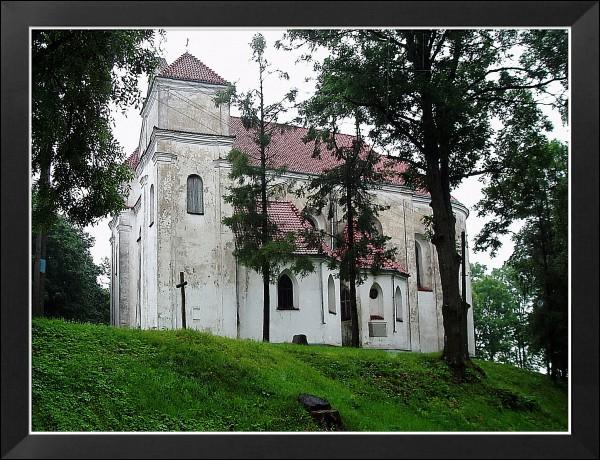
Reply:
x=182, y=284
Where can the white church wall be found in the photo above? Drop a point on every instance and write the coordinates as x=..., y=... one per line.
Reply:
x=399, y=222
x=192, y=243
x=310, y=318
x=428, y=330
x=201, y=246
x=148, y=226
x=190, y=107
x=397, y=333
x=150, y=116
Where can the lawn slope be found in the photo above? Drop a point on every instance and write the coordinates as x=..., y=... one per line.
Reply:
x=99, y=378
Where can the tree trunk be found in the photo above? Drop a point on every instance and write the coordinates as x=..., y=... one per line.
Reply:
x=266, y=304
x=436, y=151
x=39, y=277
x=453, y=308
x=352, y=274
x=266, y=269
x=36, y=293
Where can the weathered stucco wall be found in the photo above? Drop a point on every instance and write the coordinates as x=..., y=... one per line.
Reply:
x=194, y=243
x=190, y=107
x=184, y=133
x=311, y=318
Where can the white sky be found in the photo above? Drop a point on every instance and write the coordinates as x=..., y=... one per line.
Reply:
x=227, y=52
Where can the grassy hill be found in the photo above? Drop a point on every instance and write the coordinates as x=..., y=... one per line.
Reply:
x=99, y=378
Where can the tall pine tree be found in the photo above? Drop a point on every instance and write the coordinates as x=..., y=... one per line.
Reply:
x=256, y=181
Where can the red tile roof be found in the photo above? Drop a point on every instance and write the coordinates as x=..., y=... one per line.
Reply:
x=288, y=149
x=189, y=68
x=289, y=220
x=367, y=262
x=134, y=159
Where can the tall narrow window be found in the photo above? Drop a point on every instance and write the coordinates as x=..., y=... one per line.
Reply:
x=345, y=303
x=151, y=205
x=418, y=263
x=376, y=302
x=285, y=293
x=398, y=303
x=331, y=295
x=195, y=198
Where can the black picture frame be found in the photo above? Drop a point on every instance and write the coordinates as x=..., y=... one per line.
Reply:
x=17, y=17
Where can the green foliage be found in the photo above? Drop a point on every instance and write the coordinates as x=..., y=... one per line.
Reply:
x=348, y=186
x=535, y=191
x=71, y=289
x=501, y=317
x=78, y=76
x=430, y=97
x=494, y=315
x=257, y=180
x=467, y=77
x=99, y=378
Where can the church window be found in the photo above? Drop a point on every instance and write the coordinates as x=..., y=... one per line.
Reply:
x=151, y=205
x=398, y=304
x=195, y=197
x=376, y=302
x=422, y=263
x=377, y=228
x=331, y=295
x=285, y=293
x=345, y=303
x=419, y=264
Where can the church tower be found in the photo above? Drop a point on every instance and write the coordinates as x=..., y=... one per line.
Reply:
x=173, y=221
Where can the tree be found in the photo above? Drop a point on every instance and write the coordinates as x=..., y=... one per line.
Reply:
x=501, y=315
x=348, y=185
x=72, y=290
x=77, y=77
x=430, y=96
x=256, y=181
x=493, y=314
x=535, y=191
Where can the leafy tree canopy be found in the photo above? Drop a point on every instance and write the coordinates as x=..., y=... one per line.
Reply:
x=72, y=290
x=78, y=76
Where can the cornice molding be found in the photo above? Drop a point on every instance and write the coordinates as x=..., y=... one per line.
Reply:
x=163, y=157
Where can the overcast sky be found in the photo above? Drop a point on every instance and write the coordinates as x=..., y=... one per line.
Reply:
x=227, y=52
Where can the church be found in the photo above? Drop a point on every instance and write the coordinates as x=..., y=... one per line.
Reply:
x=170, y=248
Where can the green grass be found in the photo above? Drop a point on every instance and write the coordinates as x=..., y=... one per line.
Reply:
x=99, y=378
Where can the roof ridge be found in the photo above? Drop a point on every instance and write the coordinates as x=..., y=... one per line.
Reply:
x=288, y=125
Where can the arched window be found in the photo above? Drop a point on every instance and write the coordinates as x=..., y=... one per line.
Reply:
x=376, y=302
x=331, y=295
x=195, y=197
x=345, y=303
x=398, y=304
x=285, y=293
x=377, y=228
x=151, y=205
x=423, y=263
